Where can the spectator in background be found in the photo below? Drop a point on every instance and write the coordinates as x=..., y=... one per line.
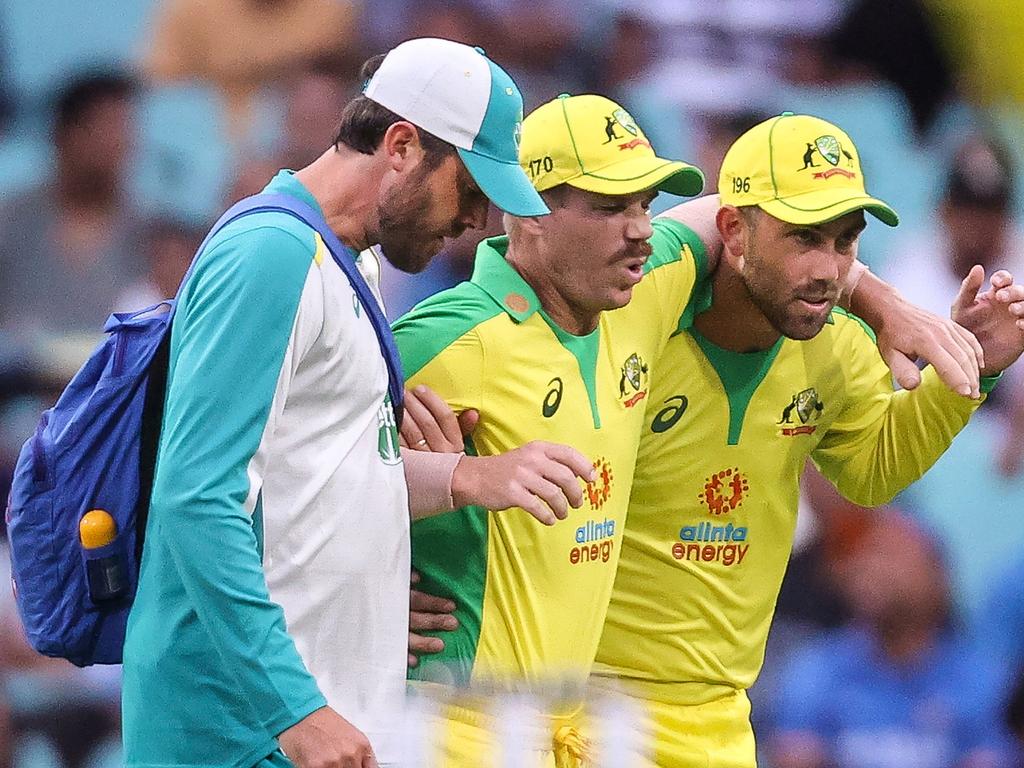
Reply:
x=313, y=96
x=899, y=687
x=317, y=92
x=718, y=132
x=241, y=45
x=895, y=40
x=5, y=119
x=168, y=246
x=67, y=245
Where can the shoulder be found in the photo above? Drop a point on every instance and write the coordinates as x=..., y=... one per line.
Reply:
x=263, y=246
x=673, y=242
x=439, y=321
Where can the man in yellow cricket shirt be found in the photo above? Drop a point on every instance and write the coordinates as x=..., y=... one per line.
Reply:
x=528, y=342
x=767, y=374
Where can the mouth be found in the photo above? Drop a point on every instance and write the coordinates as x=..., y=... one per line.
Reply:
x=635, y=268
x=816, y=303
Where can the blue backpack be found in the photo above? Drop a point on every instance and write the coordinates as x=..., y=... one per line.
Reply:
x=90, y=463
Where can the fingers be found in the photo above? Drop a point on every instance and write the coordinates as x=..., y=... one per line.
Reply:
x=952, y=372
x=468, y=420
x=533, y=505
x=968, y=289
x=971, y=343
x=421, y=644
x=580, y=465
x=552, y=495
x=410, y=435
x=1000, y=279
x=442, y=418
x=421, y=601
x=567, y=482
x=903, y=369
x=967, y=356
x=429, y=621
x=424, y=431
x=1010, y=293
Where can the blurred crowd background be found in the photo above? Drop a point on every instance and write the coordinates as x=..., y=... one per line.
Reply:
x=126, y=126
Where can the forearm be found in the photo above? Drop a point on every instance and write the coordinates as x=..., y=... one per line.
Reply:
x=699, y=215
x=871, y=465
x=216, y=556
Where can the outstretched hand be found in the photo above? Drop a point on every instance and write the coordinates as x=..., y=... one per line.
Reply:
x=995, y=317
x=906, y=333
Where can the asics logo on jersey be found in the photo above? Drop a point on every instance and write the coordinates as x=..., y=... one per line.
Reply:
x=667, y=417
x=552, y=399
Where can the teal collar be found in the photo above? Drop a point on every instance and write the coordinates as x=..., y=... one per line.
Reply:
x=285, y=183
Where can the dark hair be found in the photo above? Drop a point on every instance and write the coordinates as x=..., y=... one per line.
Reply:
x=364, y=123
x=981, y=176
x=750, y=214
x=84, y=92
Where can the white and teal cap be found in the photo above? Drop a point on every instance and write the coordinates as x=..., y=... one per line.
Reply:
x=459, y=95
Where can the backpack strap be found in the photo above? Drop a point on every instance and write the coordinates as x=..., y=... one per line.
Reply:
x=345, y=258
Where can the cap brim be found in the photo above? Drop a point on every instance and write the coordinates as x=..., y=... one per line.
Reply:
x=823, y=206
x=505, y=184
x=638, y=174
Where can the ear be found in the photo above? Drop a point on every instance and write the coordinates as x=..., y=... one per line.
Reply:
x=733, y=229
x=531, y=225
x=401, y=146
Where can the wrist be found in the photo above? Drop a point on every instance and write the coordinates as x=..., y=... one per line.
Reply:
x=464, y=480
x=853, y=277
x=871, y=300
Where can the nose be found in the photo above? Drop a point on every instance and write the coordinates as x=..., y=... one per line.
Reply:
x=829, y=264
x=638, y=227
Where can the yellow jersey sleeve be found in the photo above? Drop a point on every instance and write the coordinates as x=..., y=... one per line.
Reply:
x=884, y=440
x=675, y=285
x=440, y=345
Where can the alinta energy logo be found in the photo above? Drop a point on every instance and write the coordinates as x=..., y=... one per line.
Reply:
x=595, y=541
x=706, y=542
x=724, y=491
x=600, y=490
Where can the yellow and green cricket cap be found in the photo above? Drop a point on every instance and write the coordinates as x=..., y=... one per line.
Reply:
x=591, y=143
x=800, y=169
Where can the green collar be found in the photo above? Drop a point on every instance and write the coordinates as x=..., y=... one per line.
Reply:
x=500, y=280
